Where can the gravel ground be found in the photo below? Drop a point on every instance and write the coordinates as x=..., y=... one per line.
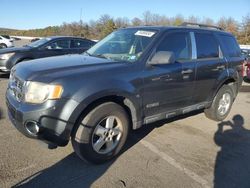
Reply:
x=20, y=43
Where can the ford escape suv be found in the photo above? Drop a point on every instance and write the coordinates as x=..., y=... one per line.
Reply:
x=134, y=76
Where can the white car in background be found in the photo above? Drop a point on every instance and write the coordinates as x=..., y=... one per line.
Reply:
x=5, y=43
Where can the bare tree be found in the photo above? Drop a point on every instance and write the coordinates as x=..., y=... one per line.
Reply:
x=136, y=21
x=193, y=19
x=97, y=29
x=122, y=22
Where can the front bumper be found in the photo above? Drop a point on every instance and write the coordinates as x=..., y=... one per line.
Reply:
x=53, y=118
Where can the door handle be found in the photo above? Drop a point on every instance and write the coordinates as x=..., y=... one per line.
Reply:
x=188, y=71
x=166, y=78
x=221, y=67
x=163, y=78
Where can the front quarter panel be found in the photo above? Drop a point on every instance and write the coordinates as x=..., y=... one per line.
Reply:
x=19, y=56
x=87, y=88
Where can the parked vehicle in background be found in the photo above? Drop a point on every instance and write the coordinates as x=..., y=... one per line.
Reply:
x=5, y=43
x=133, y=77
x=46, y=47
x=34, y=39
x=16, y=38
x=246, y=53
x=248, y=70
x=8, y=37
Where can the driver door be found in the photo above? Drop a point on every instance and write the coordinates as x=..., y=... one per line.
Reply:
x=55, y=48
x=168, y=87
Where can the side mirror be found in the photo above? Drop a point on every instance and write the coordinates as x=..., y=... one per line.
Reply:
x=162, y=57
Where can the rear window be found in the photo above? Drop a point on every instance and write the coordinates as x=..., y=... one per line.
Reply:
x=207, y=46
x=77, y=43
x=231, y=45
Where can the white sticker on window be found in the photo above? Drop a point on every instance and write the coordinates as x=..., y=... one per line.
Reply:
x=133, y=57
x=145, y=33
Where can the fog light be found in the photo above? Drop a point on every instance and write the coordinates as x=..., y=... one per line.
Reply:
x=32, y=127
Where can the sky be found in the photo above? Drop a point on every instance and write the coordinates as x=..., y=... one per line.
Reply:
x=31, y=14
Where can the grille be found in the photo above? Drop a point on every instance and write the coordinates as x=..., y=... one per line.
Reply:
x=16, y=85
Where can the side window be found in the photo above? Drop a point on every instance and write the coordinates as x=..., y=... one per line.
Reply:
x=178, y=43
x=60, y=44
x=207, y=46
x=231, y=45
x=80, y=44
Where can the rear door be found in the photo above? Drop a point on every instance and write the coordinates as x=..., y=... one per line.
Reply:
x=80, y=45
x=232, y=52
x=210, y=65
x=169, y=87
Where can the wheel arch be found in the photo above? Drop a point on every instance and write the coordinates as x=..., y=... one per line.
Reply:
x=17, y=58
x=228, y=81
x=126, y=102
x=3, y=44
x=23, y=58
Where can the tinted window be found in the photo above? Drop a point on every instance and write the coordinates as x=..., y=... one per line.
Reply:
x=178, y=43
x=207, y=46
x=231, y=45
x=40, y=42
x=80, y=44
x=245, y=52
x=60, y=44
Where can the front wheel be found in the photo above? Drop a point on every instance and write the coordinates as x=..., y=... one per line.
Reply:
x=101, y=134
x=3, y=46
x=221, y=104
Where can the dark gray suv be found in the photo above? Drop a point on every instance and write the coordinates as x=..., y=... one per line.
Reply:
x=133, y=77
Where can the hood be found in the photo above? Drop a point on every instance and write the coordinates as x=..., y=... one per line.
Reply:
x=59, y=66
x=11, y=50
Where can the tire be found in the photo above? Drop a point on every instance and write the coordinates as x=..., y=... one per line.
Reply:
x=3, y=46
x=93, y=136
x=221, y=104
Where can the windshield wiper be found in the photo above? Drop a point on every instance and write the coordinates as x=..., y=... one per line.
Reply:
x=95, y=55
x=100, y=55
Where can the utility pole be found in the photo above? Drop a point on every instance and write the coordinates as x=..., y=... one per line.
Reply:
x=81, y=25
x=81, y=15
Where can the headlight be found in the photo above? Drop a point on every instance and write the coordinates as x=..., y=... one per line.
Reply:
x=38, y=93
x=6, y=56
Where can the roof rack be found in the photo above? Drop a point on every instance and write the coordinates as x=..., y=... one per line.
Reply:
x=201, y=25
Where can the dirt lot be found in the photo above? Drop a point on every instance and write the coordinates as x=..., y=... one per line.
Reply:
x=20, y=43
x=191, y=151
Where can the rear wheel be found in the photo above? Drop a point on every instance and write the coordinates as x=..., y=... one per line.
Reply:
x=221, y=104
x=101, y=134
x=3, y=46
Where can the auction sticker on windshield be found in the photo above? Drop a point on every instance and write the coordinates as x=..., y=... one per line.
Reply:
x=145, y=33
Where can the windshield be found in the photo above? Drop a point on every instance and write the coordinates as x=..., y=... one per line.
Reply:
x=39, y=42
x=123, y=45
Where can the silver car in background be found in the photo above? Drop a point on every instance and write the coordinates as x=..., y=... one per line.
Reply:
x=5, y=43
